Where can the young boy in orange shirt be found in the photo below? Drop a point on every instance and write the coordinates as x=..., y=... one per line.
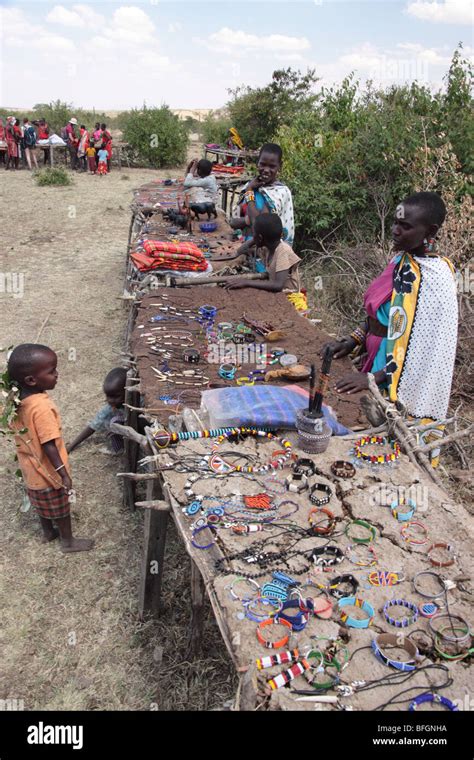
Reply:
x=41, y=451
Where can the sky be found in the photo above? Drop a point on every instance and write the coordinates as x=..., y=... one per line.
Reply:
x=117, y=55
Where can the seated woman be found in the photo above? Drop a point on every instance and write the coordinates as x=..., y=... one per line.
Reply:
x=265, y=194
x=409, y=338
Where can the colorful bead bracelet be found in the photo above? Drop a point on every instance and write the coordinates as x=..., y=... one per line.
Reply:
x=430, y=697
x=320, y=501
x=363, y=524
x=404, y=621
x=342, y=469
x=243, y=599
x=403, y=516
x=417, y=541
x=352, y=557
x=277, y=682
x=389, y=639
x=322, y=530
x=164, y=438
x=352, y=601
x=283, y=658
x=333, y=587
x=319, y=667
x=448, y=548
x=384, y=578
x=274, y=464
x=376, y=458
x=276, y=604
x=273, y=644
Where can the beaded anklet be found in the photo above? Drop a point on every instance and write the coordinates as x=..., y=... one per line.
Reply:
x=376, y=458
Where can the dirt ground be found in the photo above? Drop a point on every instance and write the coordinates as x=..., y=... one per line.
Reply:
x=70, y=635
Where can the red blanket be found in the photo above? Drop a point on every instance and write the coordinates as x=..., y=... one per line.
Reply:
x=185, y=257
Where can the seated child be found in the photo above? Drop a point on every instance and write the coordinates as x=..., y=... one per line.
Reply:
x=40, y=446
x=203, y=186
x=114, y=390
x=281, y=262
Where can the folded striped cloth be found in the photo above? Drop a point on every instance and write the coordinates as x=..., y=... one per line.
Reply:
x=184, y=257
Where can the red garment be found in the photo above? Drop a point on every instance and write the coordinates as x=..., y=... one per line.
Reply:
x=43, y=132
x=12, y=145
x=102, y=169
x=378, y=292
x=158, y=246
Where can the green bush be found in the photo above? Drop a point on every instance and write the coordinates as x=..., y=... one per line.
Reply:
x=215, y=128
x=55, y=176
x=350, y=157
x=157, y=137
x=257, y=113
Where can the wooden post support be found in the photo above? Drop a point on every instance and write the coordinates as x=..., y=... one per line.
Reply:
x=131, y=447
x=197, y=612
x=154, y=542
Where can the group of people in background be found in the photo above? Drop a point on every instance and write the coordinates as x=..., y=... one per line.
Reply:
x=88, y=150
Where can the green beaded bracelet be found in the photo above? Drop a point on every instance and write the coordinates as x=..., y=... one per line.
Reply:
x=363, y=524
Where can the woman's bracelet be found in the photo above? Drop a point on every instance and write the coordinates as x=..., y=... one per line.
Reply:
x=358, y=335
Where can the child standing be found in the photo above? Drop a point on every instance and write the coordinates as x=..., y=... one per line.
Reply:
x=103, y=156
x=90, y=152
x=41, y=451
x=112, y=411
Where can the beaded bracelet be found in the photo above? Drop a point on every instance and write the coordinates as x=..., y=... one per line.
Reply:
x=273, y=644
x=275, y=603
x=333, y=587
x=358, y=335
x=327, y=556
x=325, y=530
x=428, y=610
x=227, y=371
x=320, y=668
x=274, y=464
x=456, y=639
x=299, y=620
x=291, y=655
x=352, y=601
x=389, y=639
x=297, y=483
x=199, y=530
x=446, y=655
x=320, y=502
x=376, y=458
x=191, y=356
x=288, y=675
x=363, y=524
x=354, y=559
x=448, y=548
x=403, y=516
x=384, y=578
x=304, y=466
x=243, y=599
x=410, y=540
x=430, y=697
x=432, y=575
x=400, y=622
x=342, y=469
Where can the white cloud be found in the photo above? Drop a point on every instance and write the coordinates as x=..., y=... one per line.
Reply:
x=52, y=43
x=130, y=25
x=61, y=15
x=236, y=41
x=174, y=27
x=447, y=12
x=91, y=19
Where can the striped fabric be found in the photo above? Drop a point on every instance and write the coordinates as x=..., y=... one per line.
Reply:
x=158, y=254
x=50, y=503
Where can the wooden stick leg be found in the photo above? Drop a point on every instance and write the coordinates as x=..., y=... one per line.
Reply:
x=197, y=612
x=156, y=524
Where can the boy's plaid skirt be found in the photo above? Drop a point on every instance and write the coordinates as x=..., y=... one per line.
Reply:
x=50, y=503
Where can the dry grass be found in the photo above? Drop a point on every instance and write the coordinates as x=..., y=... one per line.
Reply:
x=70, y=634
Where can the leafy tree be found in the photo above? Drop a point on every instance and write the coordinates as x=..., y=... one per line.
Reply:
x=157, y=136
x=258, y=113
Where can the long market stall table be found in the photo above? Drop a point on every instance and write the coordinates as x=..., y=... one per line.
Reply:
x=366, y=497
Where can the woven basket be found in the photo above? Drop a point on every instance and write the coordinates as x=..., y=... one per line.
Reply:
x=313, y=434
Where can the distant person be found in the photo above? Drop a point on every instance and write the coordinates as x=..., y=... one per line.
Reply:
x=107, y=143
x=43, y=134
x=82, y=148
x=13, y=137
x=29, y=136
x=40, y=448
x=91, y=157
x=103, y=157
x=3, y=143
x=69, y=135
x=114, y=391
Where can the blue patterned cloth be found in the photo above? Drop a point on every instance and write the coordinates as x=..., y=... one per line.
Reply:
x=260, y=406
